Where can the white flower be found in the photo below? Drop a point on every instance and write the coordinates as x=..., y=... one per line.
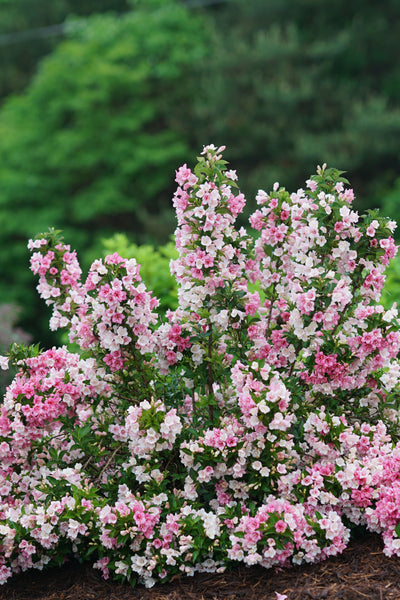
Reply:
x=231, y=175
x=197, y=353
x=211, y=525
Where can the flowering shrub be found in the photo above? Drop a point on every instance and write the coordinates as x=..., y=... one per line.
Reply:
x=257, y=423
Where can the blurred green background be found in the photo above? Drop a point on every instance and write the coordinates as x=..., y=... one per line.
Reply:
x=101, y=100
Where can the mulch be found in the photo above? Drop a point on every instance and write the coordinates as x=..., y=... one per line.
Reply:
x=361, y=572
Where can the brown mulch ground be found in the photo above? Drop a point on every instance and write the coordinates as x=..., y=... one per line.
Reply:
x=361, y=572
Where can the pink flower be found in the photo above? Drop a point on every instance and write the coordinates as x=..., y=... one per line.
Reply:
x=312, y=185
x=280, y=526
x=338, y=227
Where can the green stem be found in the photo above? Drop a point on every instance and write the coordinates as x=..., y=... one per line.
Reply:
x=210, y=379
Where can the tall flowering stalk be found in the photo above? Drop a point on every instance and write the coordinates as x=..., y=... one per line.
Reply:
x=258, y=423
x=204, y=335
x=321, y=270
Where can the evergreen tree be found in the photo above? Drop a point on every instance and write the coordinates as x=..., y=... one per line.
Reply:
x=294, y=84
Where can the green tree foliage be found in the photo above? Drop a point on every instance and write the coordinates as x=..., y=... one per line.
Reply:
x=295, y=84
x=28, y=31
x=391, y=203
x=391, y=290
x=92, y=145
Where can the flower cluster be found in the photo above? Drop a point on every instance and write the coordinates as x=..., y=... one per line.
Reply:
x=257, y=423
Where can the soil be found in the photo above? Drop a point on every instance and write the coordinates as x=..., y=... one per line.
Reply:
x=361, y=572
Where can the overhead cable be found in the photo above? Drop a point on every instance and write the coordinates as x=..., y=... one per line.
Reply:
x=16, y=37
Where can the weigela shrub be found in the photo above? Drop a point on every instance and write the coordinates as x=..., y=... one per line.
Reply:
x=257, y=423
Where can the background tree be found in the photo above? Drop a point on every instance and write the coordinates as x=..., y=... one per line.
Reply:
x=391, y=204
x=92, y=144
x=292, y=85
x=30, y=30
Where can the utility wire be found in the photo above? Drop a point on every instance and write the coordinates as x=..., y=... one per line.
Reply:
x=31, y=34
x=200, y=3
x=16, y=37
x=6, y=39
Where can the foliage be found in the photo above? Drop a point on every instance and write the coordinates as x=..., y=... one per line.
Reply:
x=391, y=289
x=243, y=429
x=391, y=199
x=25, y=39
x=91, y=145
